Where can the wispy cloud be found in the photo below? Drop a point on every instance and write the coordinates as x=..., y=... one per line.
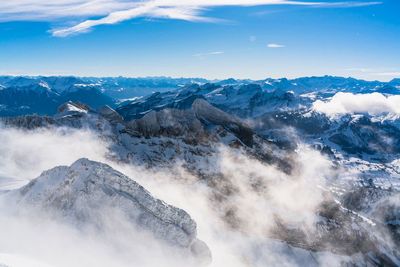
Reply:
x=363, y=70
x=347, y=4
x=377, y=71
x=393, y=73
x=201, y=55
x=272, y=45
x=116, y=11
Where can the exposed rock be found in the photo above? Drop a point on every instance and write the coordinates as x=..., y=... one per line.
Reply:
x=207, y=112
x=192, y=124
x=169, y=122
x=110, y=114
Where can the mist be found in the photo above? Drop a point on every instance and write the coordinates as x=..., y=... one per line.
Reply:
x=25, y=154
x=237, y=227
x=246, y=243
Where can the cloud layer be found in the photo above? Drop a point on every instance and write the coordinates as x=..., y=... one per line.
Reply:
x=348, y=103
x=115, y=11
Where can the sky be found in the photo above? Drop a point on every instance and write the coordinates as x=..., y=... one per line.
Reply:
x=213, y=39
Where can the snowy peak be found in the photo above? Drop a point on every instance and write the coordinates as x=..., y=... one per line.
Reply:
x=71, y=107
x=84, y=191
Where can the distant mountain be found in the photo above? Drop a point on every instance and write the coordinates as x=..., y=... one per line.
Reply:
x=24, y=95
x=332, y=84
x=42, y=95
x=395, y=82
x=323, y=84
x=125, y=88
x=273, y=112
x=28, y=99
x=242, y=100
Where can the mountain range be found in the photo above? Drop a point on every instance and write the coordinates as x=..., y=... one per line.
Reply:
x=20, y=95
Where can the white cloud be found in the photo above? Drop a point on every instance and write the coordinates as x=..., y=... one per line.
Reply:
x=348, y=103
x=272, y=45
x=115, y=11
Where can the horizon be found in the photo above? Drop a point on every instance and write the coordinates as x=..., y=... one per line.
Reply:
x=199, y=78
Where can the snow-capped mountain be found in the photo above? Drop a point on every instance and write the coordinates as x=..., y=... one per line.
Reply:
x=272, y=113
x=243, y=100
x=23, y=95
x=90, y=193
x=41, y=95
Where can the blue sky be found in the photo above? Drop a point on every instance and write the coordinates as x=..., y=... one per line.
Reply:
x=201, y=38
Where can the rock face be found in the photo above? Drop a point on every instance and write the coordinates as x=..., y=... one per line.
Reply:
x=206, y=112
x=110, y=114
x=192, y=123
x=85, y=191
x=169, y=122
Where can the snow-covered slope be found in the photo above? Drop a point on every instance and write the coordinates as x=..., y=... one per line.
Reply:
x=89, y=192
